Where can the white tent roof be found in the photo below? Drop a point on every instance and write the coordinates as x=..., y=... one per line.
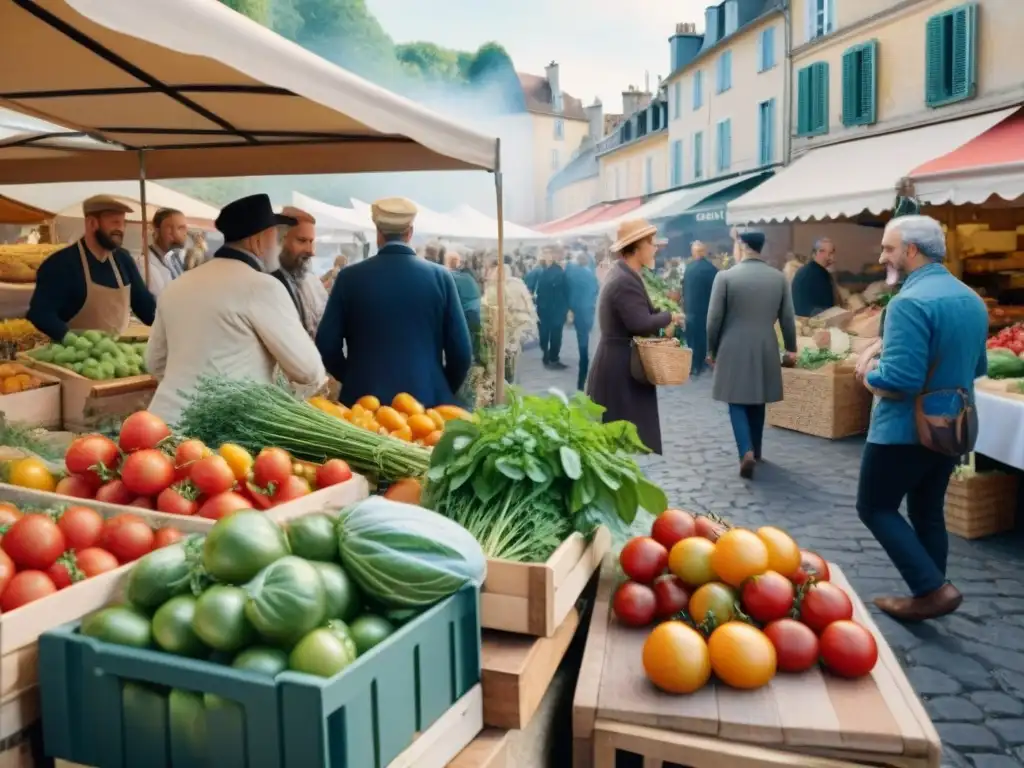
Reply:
x=206, y=92
x=333, y=217
x=490, y=224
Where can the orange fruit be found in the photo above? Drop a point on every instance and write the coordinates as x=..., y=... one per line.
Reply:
x=406, y=490
x=742, y=656
x=369, y=402
x=690, y=560
x=403, y=434
x=388, y=417
x=436, y=417
x=676, y=658
x=421, y=425
x=357, y=413
x=449, y=412
x=783, y=552
x=407, y=404
x=715, y=598
x=433, y=438
x=739, y=554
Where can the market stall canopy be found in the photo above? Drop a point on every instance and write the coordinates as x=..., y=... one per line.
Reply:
x=207, y=92
x=489, y=224
x=708, y=199
x=846, y=179
x=333, y=217
x=990, y=164
x=593, y=215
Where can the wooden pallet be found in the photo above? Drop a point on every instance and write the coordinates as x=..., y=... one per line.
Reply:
x=877, y=720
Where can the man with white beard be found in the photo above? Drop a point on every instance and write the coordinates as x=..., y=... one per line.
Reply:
x=297, y=251
x=231, y=317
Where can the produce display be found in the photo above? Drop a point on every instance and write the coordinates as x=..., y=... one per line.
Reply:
x=15, y=378
x=1004, y=364
x=660, y=292
x=737, y=604
x=521, y=477
x=20, y=262
x=405, y=419
x=813, y=359
x=95, y=355
x=18, y=335
x=1010, y=339
x=45, y=550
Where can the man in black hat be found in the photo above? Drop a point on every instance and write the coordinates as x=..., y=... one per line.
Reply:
x=231, y=317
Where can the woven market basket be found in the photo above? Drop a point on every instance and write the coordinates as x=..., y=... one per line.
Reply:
x=826, y=402
x=981, y=505
x=666, y=362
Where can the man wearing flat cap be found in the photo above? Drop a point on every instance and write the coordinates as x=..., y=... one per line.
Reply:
x=231, y=317
x=94, y=284
x=297, y=251
x=394, y=322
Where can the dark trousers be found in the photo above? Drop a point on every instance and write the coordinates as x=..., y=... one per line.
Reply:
x=583, y=340
x=697, y=341
x=747, y=428
x=551, y=338
x=918, y=547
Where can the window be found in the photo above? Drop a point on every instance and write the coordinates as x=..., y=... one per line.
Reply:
x=766, y=49
x=677, y=99
x=648, y=175
x=723, y=146
x=812, y=100
x=554, y=160
x=951, y=51
x=860, y=78
x=725, y=72
x=698, y=155
x=821, y=18
x=677, y=163
x=732, y=17
x=559, y=129
x=698, y=89
x=766, y=132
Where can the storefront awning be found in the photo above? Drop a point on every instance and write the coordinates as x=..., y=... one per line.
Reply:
x=706, y=202
x=847, y=179
x=585, y=222
x=990, y=164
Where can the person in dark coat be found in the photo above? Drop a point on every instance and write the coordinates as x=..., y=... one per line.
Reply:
x=698, y=277
x=531, y=279
x=583, y=290
x=552, y=310
x=813, y=289
x=394, y=322
x=469, y=296
x=624, y=310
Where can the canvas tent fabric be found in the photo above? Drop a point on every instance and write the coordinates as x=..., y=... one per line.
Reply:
x=488, y=224
x=206, y=92
x=333, y=217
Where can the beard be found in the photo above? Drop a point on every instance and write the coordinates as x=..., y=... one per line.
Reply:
x=109, y=240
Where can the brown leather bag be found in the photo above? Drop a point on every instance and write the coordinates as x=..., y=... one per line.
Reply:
x=952, y=434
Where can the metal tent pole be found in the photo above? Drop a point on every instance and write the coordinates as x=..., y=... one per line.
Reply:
x=145, y=223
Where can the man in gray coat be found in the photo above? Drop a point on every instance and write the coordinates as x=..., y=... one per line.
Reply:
x=746, y=300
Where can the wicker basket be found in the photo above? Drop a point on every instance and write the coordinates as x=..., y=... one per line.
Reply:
x=981, y=505
x=666, y=362
x=827, y=402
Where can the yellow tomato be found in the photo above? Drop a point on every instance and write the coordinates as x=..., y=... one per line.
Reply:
x=690, y=560
x=783, y=552
x=407, y=404
x=676, y=658
x=357, y=414
x=31, y=473
x=742, y=656
x=320, y=403
x=239, y=459
x=436, y=417
x=449, y=412
x=403, y=434
x=339, y=410
x=390, y=418
x=369, y=402
x=433, y=438
x=421, y=425
x=739, y=554
x=716, y=599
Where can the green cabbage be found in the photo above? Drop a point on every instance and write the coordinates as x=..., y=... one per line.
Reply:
x=1003, y=364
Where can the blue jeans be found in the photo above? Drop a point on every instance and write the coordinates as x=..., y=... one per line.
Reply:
x=918, y=548
x=583, y=340
x=747, y=427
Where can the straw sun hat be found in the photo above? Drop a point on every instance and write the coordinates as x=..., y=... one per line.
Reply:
x=631, y=232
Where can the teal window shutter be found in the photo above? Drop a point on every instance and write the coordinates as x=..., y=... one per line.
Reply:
x=761, y=50
x=935, y=53
x=951, y=53
x=964, y=55
x=803, y=92
x=728, y=145
x=820, y=99
x=698, y=155
x=869, y=83
x=851, y=86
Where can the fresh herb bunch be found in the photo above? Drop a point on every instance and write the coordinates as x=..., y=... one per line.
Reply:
x=812, y=359
x=537, y=445
x=658, y=291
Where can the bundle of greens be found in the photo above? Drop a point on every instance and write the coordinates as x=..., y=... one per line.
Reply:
x=658, y=290
x=533, y=458
x=260, y=415
x=812, y=359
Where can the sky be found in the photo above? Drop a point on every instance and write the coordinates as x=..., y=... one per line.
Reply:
x=602, y=46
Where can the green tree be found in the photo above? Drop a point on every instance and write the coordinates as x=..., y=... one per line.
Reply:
x=257, y=10
x=429, y=60
x=491, y=59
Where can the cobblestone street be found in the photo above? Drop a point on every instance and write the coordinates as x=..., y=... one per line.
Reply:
x=968, y=668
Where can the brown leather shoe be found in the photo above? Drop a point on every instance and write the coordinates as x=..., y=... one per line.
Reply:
x=747, y=465
x=941, y=602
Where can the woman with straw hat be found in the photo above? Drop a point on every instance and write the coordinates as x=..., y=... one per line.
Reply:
x=624, y=311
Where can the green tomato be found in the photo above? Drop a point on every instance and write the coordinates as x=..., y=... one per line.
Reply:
x=172, y=627
x=119, y=624
x=286, y=600
x=159, y=576
x=187, y=720
x=368, y=631
x=314, y=538
x=70, y=339
x=220, y=620
x=343, y=599
x=262, y=660
x=343, y=633
x=320, y=653
x=241, y=545
x=93, y=337
x=83, y=344
x=145, y=711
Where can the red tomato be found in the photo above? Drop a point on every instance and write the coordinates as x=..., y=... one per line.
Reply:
x=823, y=603
x=90, y=455
x=671, y=596
x=848, y=649
x=708, y=528
x=94, y=561
x=332, y=472
x=34, y=542
x=164, y=536
x=142, y=502
x=25, y=587
x=643, y=559
x=812, y=566
x=272, y=466
x=81, y=527
x=64, y=572
x=672, y=526
x=114, y=492
x=212, y=475
x=260, y=499
x=147, y=472
x=796, y=645
x=142, y=430
x=222, y=505
x=187, y=454
x=175, y=500
x=75, y=486
x=294, y=487
x=767, y=597
x=127, y=537
x=8, y=514
x=635, y=604
x=6, y=570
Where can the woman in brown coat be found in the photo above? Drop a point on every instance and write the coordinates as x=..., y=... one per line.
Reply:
x=624, y=311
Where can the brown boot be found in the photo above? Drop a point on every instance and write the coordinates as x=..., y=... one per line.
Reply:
x=747, y=465
x=941, y=602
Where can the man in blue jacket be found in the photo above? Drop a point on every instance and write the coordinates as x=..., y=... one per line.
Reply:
x=698, y=277
x=394, y=322
x=583, y=289
x=934, y=344
x=552, y=309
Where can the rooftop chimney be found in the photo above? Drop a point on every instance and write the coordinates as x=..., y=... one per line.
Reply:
x=684, y=44
x=595, y=117
x=551, y=72
x=634, y=100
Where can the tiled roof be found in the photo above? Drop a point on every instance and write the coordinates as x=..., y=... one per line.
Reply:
x=611, y=122
x=537, y=92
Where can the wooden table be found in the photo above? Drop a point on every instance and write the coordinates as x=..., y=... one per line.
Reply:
x=876, y=720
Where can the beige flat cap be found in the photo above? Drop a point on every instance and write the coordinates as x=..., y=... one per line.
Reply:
x=104, y=204
x=298, y=214
x=393, y=215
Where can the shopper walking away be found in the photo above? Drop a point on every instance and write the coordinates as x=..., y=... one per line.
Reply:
x=583, y=290
x=625, y=311
x=553, y=310
x=698, y=277
x=746, y=301
x=933, y=349
x=469, y=295
x=814, y=290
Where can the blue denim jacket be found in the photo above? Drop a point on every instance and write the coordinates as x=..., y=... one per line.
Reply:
x=935, y=320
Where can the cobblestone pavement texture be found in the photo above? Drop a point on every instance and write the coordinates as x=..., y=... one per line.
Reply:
x=968, y=668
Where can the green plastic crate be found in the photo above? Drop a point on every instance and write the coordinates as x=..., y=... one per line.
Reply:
x=96, y=713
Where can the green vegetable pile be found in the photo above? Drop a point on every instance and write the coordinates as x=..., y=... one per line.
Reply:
x=95, y=355
x=530, y=472
x=812, y=359
x=658, y=290
x=1003, y=364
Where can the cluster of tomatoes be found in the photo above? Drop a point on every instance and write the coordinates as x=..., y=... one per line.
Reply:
x=148, y=468
x=738, y=603
x=1010, y=338
x=42, y=552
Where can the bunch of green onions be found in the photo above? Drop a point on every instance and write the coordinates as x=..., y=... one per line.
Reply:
x=261, y=415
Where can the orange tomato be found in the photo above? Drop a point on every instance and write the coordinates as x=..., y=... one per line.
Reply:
x=403, y=434
x=239, y=459
x=407, y=404
x=713, y=598
x=783, y=552
x=742, y=656
x=372, y=425
x=449, y=412
x=690, y=560
x=357, y=413
x=369, y=402
x=407, y=490
x=433, y=438
x=739, y=554
x=436, y=417
x=676, y=658
x=390, y=418
x=421, y=425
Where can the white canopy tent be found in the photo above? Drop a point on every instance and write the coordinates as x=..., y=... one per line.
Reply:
x=487, y=224
x=333, y=217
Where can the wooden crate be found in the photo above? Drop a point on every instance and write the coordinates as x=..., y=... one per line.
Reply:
x=828, y=402
x=488, y=750
x=39, y=407
x=534, y=599
x=981, y=505
x=877, y=720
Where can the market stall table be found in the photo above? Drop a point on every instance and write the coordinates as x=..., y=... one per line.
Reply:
x=1001, y=427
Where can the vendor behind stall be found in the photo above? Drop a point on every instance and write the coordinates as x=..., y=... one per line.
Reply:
x=814, y=289
x=94, y=284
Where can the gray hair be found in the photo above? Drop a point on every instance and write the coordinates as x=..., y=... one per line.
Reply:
x=921, y=231
x=820, y=243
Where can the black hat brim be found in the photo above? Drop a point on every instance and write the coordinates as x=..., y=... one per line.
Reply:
x=285, y=221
